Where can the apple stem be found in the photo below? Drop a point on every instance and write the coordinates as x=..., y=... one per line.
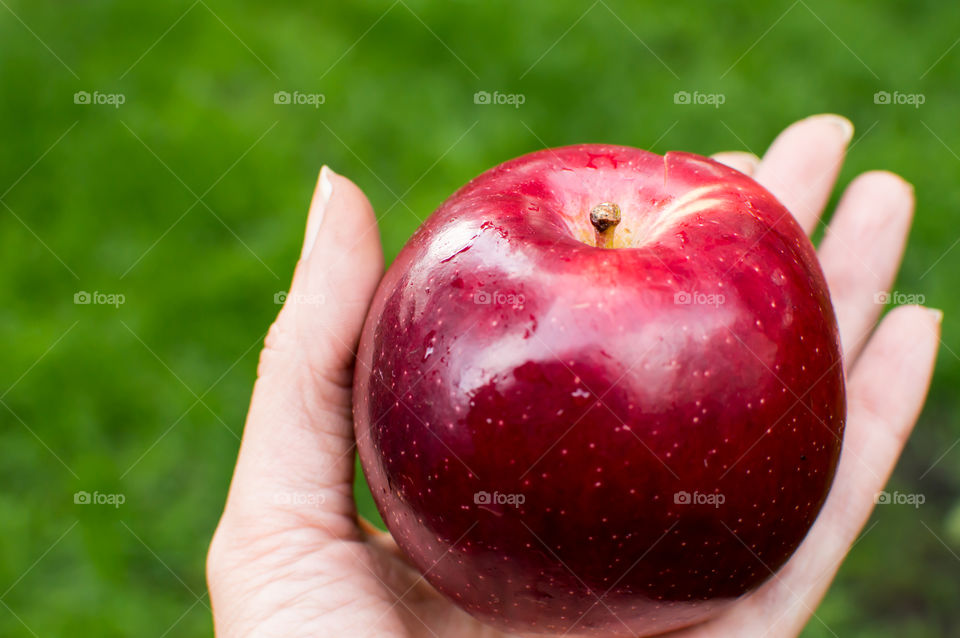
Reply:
x=605, y=218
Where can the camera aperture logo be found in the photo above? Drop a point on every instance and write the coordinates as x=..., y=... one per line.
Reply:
x=693, y=298
x=97, y=298
x=899, y=498
x=298, y=98
x=298, y=299
x=486, y=498
x=498, y=298
x=698, y=498
x=299, y=499
x=898, y=98
x=86, y=498
x=498, y=98
x=699, y=99
x=99, y=99
x=898, y=298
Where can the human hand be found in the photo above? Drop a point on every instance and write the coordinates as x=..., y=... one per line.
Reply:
x=888, y=366
x=291, y=558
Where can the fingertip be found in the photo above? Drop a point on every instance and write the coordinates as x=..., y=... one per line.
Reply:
x=888, y=189
x=802, y=163
x=912, y=317
x=862, y=249
x=346, y=261
x=348, y=207
x=909, y=316
x=817, y=131
x=742, y=161
x=904, y=345
x=892, y=178
x=842, y=127
x=318, y=205
x=349, y=228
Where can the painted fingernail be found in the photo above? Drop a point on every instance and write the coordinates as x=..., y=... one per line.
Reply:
x=321, y=197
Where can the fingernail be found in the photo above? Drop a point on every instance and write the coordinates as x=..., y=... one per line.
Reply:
x=752, y=158
x=844, y=125
x=745, y=156
x=321, y=197
x=909, y=185
x=937, y=314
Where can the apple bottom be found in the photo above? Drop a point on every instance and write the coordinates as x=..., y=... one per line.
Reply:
x=596, y=523
x=545, y=509
x=557, y=601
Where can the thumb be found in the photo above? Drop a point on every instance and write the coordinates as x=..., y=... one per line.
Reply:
x=296, y=458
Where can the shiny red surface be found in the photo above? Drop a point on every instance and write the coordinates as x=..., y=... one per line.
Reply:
x=505, y=353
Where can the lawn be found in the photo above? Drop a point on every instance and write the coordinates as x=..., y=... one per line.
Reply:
x=147, y=159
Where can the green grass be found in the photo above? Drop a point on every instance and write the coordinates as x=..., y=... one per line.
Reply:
x=105, y=199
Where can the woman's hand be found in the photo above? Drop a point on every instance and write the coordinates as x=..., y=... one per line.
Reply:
x=290, y=557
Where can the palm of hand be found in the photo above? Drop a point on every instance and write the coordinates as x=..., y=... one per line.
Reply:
x=290, y=557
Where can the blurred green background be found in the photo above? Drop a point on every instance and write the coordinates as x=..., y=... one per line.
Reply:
x=189, y=200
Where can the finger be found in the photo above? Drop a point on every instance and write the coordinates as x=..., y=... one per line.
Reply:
x=801, y=165
x=744, y=162
x=296, y=457
x=861, y=251
x=382, y=540
x=321, y=196
x=369, y=529
x=885, y=395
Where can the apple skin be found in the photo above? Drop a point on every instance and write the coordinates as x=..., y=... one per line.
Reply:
x=506, y=353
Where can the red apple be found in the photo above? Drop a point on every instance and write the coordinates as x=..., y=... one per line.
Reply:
x=600, y=391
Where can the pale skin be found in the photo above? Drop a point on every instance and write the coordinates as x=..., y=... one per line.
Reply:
x=291, y=558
